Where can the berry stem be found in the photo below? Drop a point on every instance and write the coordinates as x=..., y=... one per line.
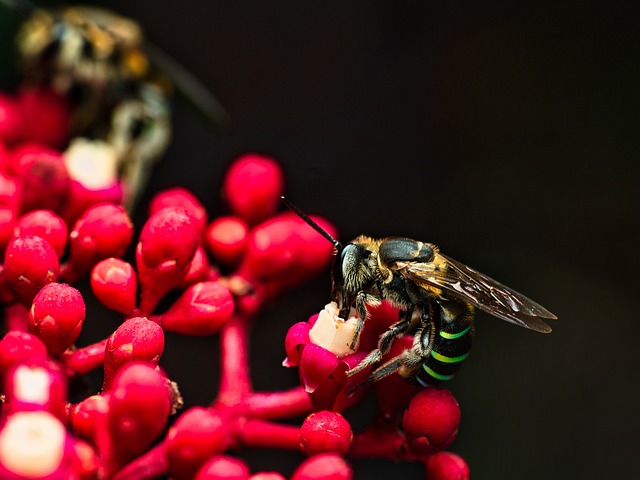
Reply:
x=83, y=360
x=152, y=464
x=260, y=433
x=235, y=382
x=283, y=404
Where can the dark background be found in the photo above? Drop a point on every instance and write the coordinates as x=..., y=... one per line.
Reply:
x=503, y=132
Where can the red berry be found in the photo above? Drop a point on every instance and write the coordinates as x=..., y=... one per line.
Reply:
x=20, y=347
x=103, y=231
x=29, y=264
x=11, y=122
x=226, y=239
x=253, y=186
x=167, y=244
x=45, y=116
x=197, y=435
x=139, y=405
x=325, y=466
x=325, y=431
x=44, y=224
x=202, y=309
x=447, y=466
x=266, y=476
x=85, y=416
x=223, y=467
x=137, y=339
x=56, y=316
x=183, y=198
x=431, y=421
x=114, y=283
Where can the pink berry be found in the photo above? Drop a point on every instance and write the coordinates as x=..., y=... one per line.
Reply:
x=44, y=224
x=431, y=421
x=253, y=186
x=11, y=122
x=85, y=416
x=447, y=466
x=325, y=466
x=139, y=405
x=266, y=476
x=226, y=239
x=137, y=339
x=197, y=435
x=183, y=198
x=223, y=467
x=103, y=231
x=202, y=309
x=325, y=431
x=29, y=264
x=114, y=283
x=56, y=316
x=7, y=225
x=20, y=347
x=167, y=244
x=45, y=114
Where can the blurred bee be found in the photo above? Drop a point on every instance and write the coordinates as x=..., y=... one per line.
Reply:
x=119, y=84
x=435, y=294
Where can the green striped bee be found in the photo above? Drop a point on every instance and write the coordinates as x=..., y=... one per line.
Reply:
x=436, y=296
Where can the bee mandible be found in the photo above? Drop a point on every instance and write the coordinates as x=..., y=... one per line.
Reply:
x=435, y=294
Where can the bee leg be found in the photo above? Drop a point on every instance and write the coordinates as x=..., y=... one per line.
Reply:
x=408, y=362
x=362, y=300
x=384, y=344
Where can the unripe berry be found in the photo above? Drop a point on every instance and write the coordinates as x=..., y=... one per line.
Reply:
x=30, y=263
x=325, y=431
x=253, y=186
x=325, y=466
x=56, y=316
x=197, y=435
x=431, y=421
x=223, y=467
x=447, y=466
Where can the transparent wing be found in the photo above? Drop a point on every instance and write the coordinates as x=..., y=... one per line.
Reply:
x=469, y=285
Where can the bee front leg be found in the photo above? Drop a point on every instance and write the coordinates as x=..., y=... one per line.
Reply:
x=362, y=300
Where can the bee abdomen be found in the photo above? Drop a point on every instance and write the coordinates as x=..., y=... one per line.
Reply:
x=451, y=346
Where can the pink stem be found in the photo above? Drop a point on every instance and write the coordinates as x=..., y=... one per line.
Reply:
x=152, y=464
x=85, y=359
x=259, y=433
x=378, y=442
x=285, y=404
x=235, y=383
x=16, y=317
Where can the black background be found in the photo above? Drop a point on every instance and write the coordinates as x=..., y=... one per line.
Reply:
x=503, y=132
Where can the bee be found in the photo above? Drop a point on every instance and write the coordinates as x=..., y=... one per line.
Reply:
x=435, y=294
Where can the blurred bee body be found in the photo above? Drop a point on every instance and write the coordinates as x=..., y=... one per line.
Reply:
x=85, y=45
x=436, y=297
x=96, y=58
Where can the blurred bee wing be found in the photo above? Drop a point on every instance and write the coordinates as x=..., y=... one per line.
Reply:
x=189, y=87
x=471, y=286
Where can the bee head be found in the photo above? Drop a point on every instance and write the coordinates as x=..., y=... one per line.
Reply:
x=351, y=270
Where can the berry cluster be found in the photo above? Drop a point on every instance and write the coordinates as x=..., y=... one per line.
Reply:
x=62, y=221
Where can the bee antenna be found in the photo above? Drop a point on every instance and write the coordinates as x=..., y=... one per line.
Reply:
x=311, y=223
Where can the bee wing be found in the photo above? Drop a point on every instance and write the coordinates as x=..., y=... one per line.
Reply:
x=471, y=286
x=193, y=91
